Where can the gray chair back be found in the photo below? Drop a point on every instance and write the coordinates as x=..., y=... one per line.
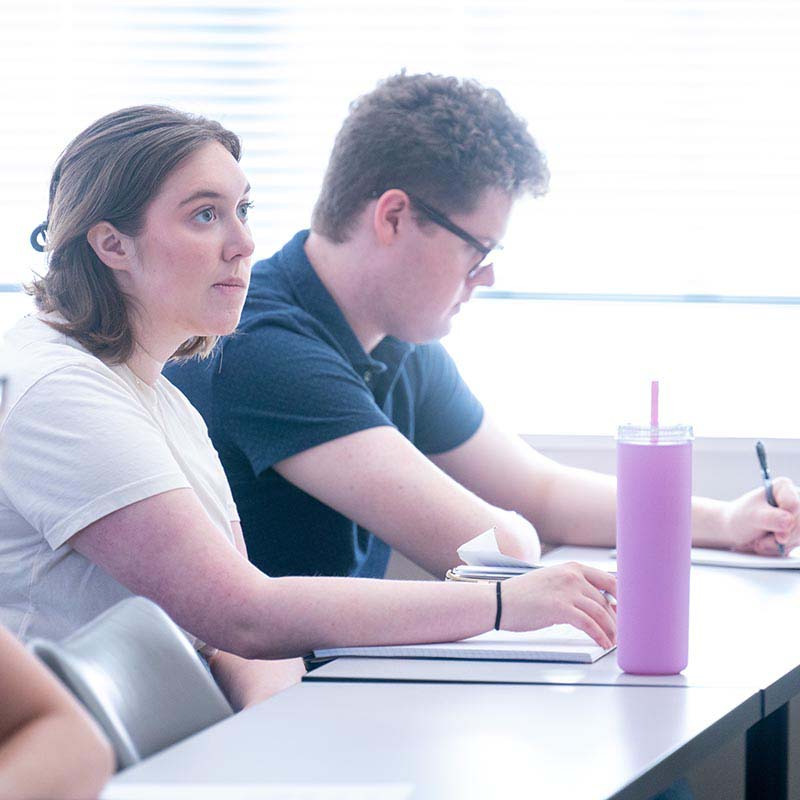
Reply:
x=138, y=675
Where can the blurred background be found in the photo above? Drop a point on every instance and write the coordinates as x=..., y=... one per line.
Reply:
x=666, y=247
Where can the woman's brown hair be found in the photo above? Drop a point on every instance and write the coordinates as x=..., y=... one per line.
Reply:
x=110, y=172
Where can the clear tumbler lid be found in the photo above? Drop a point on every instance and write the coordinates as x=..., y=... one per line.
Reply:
x=647, y=434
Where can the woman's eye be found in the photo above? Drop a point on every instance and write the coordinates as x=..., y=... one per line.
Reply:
x=244, y=210
x=206, y=215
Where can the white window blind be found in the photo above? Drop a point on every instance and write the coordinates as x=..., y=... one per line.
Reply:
x=670, y=126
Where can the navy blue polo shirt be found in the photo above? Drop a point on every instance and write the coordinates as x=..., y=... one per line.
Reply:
x=294, y=376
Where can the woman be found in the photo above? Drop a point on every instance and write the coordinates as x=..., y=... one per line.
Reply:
x=109, y=483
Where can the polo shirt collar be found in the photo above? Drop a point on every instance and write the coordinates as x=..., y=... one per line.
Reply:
x=313, y=297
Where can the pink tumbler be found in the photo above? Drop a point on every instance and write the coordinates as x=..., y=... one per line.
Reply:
x=654, y=540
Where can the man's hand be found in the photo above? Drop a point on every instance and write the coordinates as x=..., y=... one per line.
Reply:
x=752, y=525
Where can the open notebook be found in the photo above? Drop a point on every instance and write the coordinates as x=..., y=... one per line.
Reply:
x=556, y=643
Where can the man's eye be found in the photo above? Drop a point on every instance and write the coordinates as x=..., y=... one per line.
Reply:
x=244, y=210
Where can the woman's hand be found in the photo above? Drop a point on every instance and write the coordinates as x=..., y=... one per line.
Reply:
x=571, y=593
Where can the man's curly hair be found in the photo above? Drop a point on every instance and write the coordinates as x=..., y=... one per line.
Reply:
x=443, y=139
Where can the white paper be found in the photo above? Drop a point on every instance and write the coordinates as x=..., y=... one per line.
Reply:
x=257, y=791
x=711, y=557
x=482, y=551
x=727, y=558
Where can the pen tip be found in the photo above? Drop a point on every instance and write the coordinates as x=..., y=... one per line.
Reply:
x=762, y=455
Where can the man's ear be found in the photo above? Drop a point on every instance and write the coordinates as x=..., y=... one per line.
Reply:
x=391, y=211
x=113, y=248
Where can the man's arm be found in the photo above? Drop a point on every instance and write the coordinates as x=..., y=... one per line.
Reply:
x=566, y=505
x=578, y=507
x=377, y=478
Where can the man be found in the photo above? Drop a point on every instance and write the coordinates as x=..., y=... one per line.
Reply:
x=342, y=423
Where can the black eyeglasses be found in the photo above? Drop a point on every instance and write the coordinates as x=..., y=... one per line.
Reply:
x=445, y=222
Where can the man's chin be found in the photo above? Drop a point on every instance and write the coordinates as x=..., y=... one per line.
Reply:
x=433, y=334
x=422, y=333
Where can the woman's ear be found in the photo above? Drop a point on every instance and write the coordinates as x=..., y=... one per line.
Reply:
x=113, y=248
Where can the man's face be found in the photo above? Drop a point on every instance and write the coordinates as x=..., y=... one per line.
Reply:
x=432, y=277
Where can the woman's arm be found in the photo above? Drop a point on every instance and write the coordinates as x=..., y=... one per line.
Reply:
x=49, y=747
x=166, y=548
x=246, y=682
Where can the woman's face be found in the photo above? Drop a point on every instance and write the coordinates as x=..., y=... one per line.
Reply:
x=191, y=264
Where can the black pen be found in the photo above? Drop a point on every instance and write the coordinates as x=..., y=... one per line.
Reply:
x=762, y=460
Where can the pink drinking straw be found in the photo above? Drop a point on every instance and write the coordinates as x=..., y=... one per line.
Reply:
x=654, y=411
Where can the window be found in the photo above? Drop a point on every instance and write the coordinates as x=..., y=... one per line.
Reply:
x=665, y=247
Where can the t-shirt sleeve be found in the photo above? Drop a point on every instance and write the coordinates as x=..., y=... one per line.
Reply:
x=78, y=446
x=446, y=411
x=281, y=390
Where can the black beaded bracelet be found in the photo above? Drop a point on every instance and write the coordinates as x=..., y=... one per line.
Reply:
x=499, y=607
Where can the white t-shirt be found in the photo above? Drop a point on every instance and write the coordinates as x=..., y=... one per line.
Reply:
x=81, y=439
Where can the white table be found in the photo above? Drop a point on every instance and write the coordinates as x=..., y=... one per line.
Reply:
x=741, y=635
x=452, y=741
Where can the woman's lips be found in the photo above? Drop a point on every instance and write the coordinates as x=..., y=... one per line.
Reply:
x=232, y=286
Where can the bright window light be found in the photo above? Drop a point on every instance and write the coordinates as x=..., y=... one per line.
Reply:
x=670, y=126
